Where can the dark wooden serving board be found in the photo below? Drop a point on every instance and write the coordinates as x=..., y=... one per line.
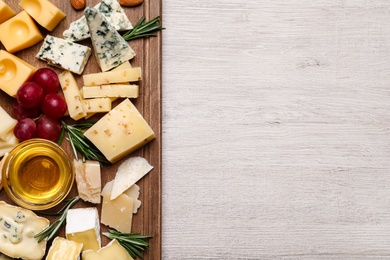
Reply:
x=148, y=56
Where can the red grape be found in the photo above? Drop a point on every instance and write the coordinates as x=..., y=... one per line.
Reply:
x=54, y=105
x=48, y=128
x=25, y=129
x=48, y=79
x=19, y=112
x=29, y=95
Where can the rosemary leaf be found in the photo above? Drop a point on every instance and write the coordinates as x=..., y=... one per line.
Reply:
x=143, y=30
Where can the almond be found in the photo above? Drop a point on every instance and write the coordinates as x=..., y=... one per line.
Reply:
x=78, y=4
x=130, y=2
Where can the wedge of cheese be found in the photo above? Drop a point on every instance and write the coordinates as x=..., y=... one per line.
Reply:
x=82, y=226
x=88, y=180
x=63, y=249
x=111, y=250
x=120, y=132
x=110, y=48
x=18, y=228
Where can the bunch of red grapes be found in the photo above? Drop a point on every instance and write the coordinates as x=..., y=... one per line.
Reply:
x=38, y=107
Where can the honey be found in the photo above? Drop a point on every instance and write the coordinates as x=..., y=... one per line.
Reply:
x=39, y=174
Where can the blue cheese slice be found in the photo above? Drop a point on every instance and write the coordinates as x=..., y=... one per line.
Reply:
x=64, y=54
x=109, y=46
x=111, y=10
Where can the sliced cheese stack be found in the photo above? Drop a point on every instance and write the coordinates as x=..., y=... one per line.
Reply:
x=63, y=249
x=18, y=228
x=82, y=226
x=112, y=250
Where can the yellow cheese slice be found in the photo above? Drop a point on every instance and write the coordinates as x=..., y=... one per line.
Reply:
x=112, y=251
x=63, y=249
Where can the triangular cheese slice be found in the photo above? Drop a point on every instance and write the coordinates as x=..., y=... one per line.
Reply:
x=129, y=172
x=110, y=48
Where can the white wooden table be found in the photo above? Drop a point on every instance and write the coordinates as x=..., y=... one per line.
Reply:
x=276, y=129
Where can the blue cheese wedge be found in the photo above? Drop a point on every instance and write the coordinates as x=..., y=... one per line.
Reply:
x=18, y=226
x=109, y=46
x=64, y=54
x=111, y=10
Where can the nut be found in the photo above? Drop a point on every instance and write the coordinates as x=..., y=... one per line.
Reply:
x=78, y=4
x=130, y=2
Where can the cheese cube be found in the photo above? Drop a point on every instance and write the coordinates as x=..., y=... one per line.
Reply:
x=120, y=132
x=114, y=76
x=97, y=105
x=113, y=90
x=5, y=12
x=19, y=32
x=44, y=12
x=88, y=180
x=112, y=249
x=63, y=249
x=117, y=213
x=82, y=226
x=13, y=72
x=18, y=228
x=76, y=107
x=7, y=124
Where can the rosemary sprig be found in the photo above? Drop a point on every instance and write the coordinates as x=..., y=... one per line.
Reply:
x=134, y=243
x=142, y=29
x=49, y=232
x=80, y=143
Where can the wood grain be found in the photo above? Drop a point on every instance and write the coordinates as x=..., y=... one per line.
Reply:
x=148, y=57
x=276, y=129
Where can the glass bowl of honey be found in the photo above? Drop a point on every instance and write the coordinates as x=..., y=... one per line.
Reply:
x=37, y=174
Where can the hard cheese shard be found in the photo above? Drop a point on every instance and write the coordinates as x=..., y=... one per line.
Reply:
x=63, y=249
x=112, y=11
x=120, y=132
x=112, y=251
x=88, y=180
x=109, y=46
x=18, y=228
x=129, y=172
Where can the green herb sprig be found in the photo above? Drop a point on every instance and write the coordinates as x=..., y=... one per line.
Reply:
x=49, y=232
x=142, y=30
x=134, y=243
x=80, y=143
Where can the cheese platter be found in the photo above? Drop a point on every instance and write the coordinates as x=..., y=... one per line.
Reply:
x=145, y=99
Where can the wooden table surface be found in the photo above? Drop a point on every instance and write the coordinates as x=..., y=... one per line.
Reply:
x=276, y=129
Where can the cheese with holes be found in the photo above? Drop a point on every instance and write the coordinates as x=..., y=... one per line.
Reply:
x=114, y=76
x=44, y=12
x=6, y=12
x=64, y=54
x=112, y=90
x=18, y=228
x=128, y=173
x=74, y=100
x=120, y=131
x=117, y=213
x=64, y=249
x=82, y=226
x=110, y=48
x=19, y=32
x=88, y=180
x=112, y=251
x=13, y=72
x=111, y=10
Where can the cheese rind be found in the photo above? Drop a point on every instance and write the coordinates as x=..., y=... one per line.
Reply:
x=13, y=72
x=6, y=12
x=63, y=249
x=110, y=48
x=112, y=249
x=114, y=76
x=110, y=9
x=120, y=132
x=44, y=12
x=88, y=180
x=18, y=228
x=112, y=90
x=64, y=54
x=19, y=32
x=82, y=226
x=74, y=100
